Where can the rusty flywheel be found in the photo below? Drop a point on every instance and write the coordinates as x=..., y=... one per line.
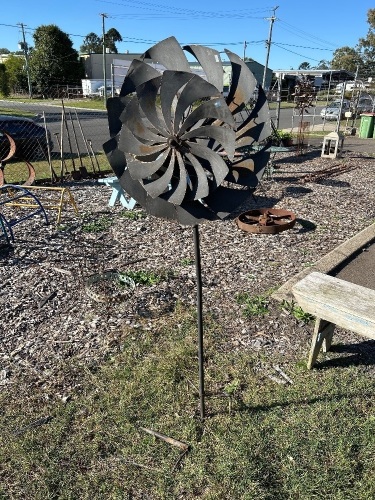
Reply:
x=266, y=220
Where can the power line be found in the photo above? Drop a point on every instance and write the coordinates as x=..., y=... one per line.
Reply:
x=303, y=34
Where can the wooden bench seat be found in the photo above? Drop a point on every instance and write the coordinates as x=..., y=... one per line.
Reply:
x=335, y=302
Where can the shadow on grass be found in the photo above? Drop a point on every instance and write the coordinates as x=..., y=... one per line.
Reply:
x=359, y=354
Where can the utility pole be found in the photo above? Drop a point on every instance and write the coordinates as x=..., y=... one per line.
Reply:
x=25, y=51
x=244, y=50
x=104, y=16
x=268, y=44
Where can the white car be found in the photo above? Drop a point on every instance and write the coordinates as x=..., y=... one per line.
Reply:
x=331, y=112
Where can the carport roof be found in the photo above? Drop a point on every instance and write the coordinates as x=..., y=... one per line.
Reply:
x=334, y=74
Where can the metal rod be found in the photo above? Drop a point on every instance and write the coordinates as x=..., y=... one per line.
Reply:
x=198, y=272
x=85, y=141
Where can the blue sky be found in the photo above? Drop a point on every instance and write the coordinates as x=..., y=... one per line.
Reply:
x=302, y=31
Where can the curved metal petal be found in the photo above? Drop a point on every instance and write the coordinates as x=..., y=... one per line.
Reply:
x=201, y=187
x=138, y=73
x=243, y=83
x=133, y=119
x=147, y=93
x=141, y=170
x=214, y=109
x=222, y=135
x=217, y=165
x=178, y=189
x=157, y=187
x=169, y=53
x=195, y=89
x=130, y=144
x=211, y=63
x=172, y=81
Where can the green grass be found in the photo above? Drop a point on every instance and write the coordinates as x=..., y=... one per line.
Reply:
x=96, y=103
x=143, y=277
x=309, y=440
x=97, y=225
x=16, y=171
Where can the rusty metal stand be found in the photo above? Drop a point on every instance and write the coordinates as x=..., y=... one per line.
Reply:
x=198, y=272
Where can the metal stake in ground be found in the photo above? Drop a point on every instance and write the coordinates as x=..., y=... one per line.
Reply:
x=198, y=271
x=75, y=174
x=54, y=176
x=85, y=141
x=82, y=168
x=89, y=142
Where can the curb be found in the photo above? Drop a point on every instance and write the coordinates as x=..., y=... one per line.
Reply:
x=329, y=262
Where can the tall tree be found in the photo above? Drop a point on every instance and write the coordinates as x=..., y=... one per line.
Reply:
x=346, y=58
x=304, y=65
x=53, y=59
x=15, y=68
x=92, y=44
x=4, y=84
x=367, y=47
x=111, y=37
x=323, y=64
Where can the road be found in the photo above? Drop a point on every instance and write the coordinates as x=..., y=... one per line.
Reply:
x=95, y=126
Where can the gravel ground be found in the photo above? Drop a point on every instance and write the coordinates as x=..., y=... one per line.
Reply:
x=48, y=318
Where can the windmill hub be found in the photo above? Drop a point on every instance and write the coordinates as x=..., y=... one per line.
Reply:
x=174, y=142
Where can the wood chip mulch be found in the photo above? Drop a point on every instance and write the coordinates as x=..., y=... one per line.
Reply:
x=48, y=318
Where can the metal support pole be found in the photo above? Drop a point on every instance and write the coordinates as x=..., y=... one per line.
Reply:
x=198, y=272
x=25, y=51
x=104, y=61
x=268, y=44
x=278, y=101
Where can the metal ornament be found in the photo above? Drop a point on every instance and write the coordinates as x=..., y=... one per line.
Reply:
x=180, y=148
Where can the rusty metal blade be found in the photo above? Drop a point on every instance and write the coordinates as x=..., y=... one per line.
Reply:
x=222, y=135
x=216, y=164
x=156, y=187
x=169, y=53
x=243, y=83
x=172, y=82
x=138, y=73
x=214, y=109
x=211, y=63
x=195, y=90
x=141, y=169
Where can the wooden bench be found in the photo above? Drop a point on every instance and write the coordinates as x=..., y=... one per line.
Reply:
x=335, y=302
x=118, y=194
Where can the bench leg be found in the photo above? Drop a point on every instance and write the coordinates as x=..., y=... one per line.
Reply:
x=114, y=197
x=323, y=333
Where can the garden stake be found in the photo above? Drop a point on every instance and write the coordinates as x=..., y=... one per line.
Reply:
x=54, y=176
x=75, y=174
x=93, y=154
x=82, y=168
x=85, y=142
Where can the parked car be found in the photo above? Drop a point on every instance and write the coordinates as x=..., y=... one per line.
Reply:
x=331, y=112
x=30, y=138
x=365, y=105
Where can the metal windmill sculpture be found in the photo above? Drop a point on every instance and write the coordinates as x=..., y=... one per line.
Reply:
x=180, y=148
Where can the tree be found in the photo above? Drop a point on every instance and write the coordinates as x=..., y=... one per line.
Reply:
x=367, y=46
x=111, y=37
x=4, y=84
x=15, y=68
x=323, y=64
x=4, y=51
x=53, y=59
x=346, y=58
x=92, y=44
x=304, y=65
